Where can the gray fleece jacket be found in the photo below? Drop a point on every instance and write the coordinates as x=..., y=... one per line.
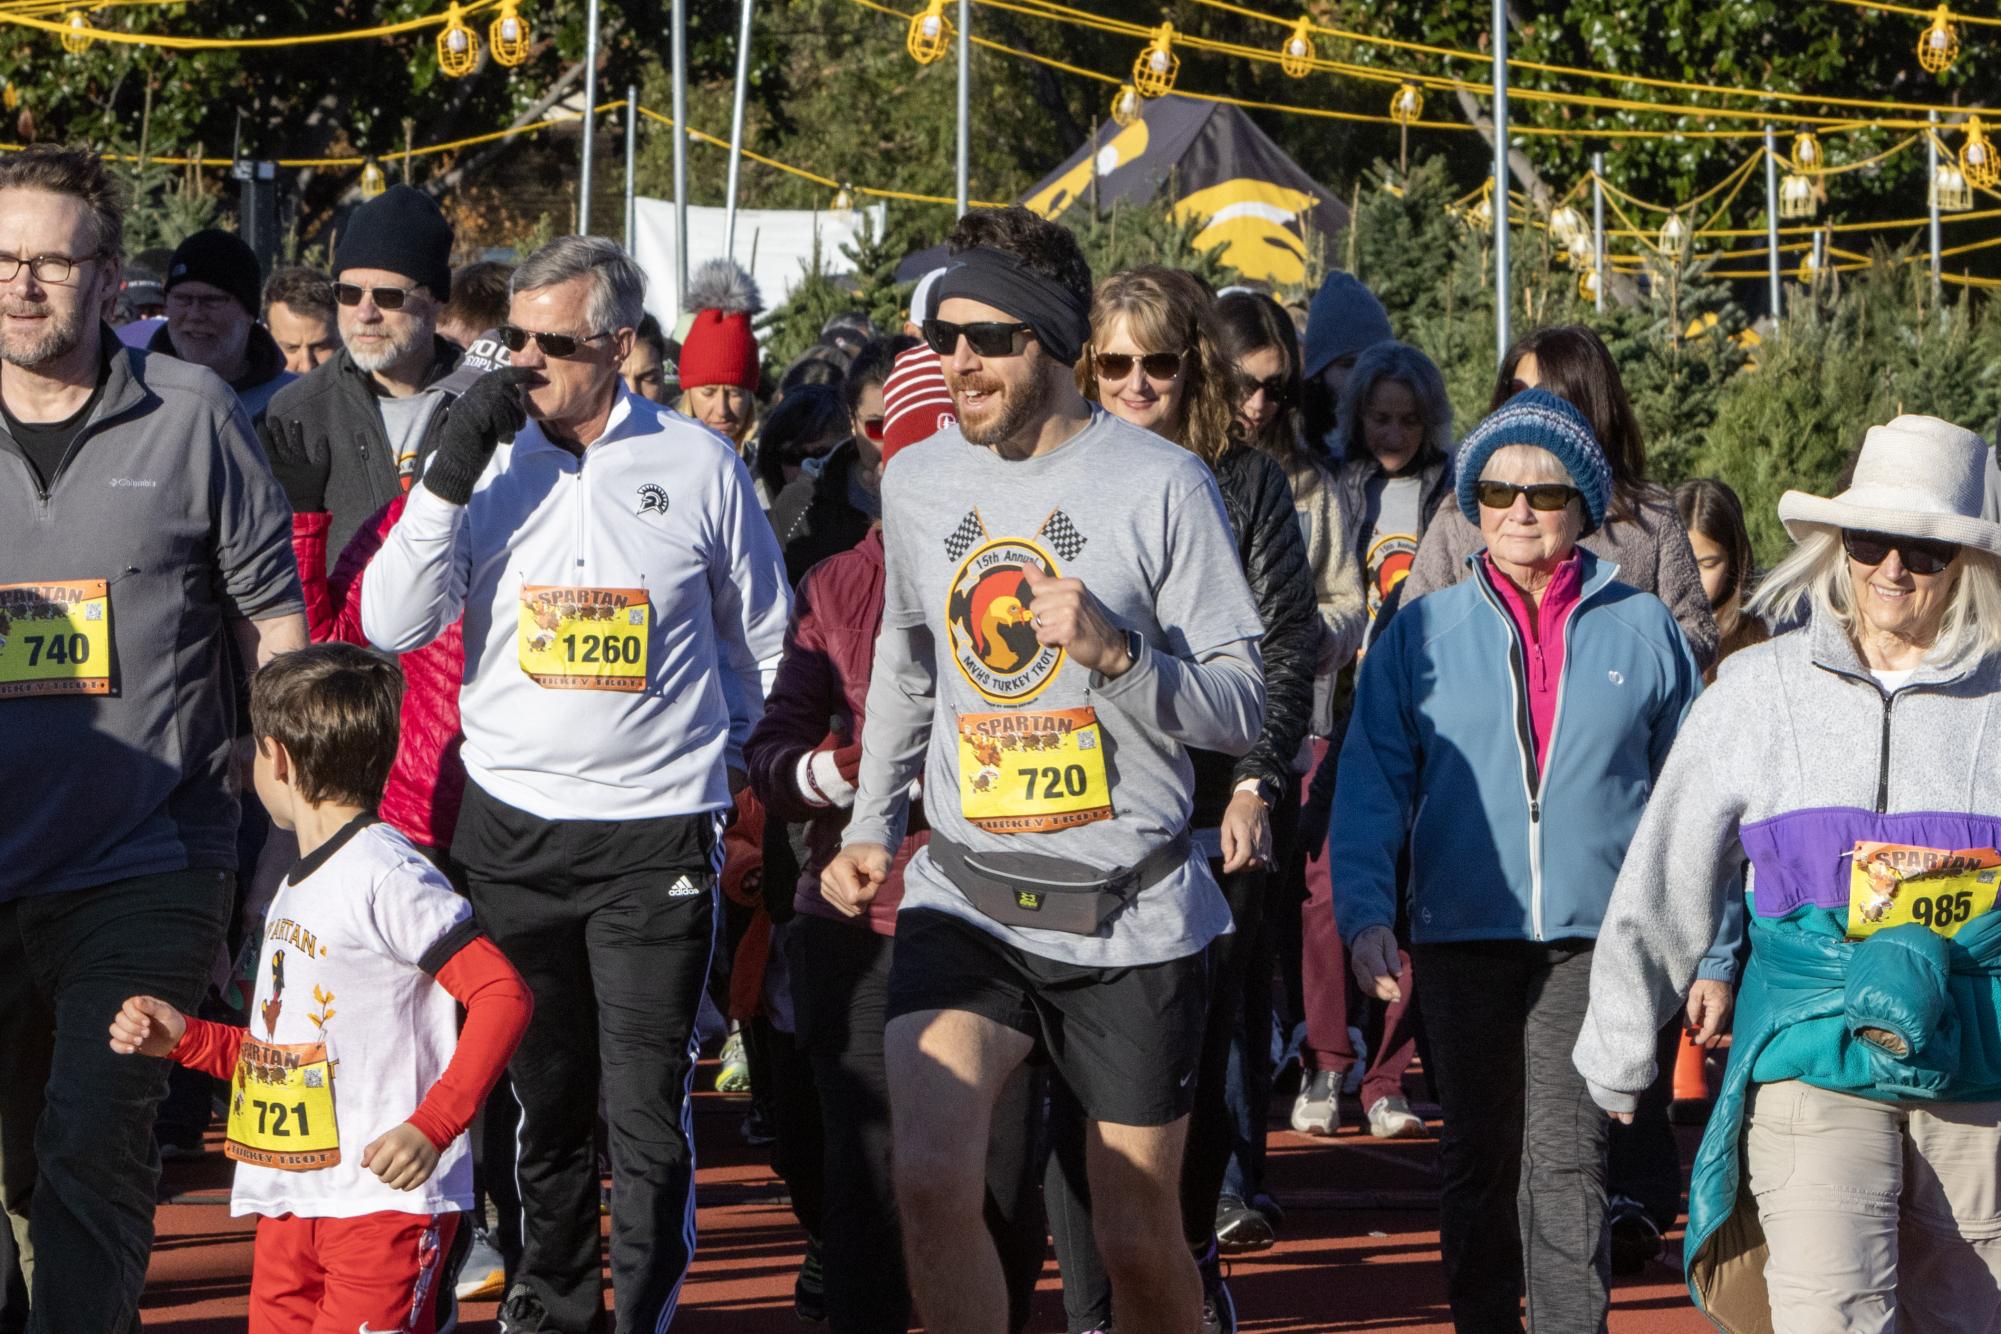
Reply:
x=1791, y=756
x=1651, y=550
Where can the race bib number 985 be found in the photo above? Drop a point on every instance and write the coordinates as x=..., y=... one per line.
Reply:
x=1892, y=884
x=584, y=638
x=55, y=638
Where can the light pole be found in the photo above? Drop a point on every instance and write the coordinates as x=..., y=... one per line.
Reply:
x=1501, y=297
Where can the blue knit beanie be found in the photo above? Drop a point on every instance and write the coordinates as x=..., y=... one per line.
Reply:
x=1540, y=418
x=1345, y=318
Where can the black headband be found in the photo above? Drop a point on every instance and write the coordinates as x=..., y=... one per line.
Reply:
x=1060, y=318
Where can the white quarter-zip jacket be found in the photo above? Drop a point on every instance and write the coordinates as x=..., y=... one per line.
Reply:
x=656, y=502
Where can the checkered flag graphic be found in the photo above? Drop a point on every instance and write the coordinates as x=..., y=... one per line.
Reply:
x=1063, y=535
x=969, y=531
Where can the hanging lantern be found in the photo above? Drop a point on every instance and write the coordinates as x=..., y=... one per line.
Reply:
x=1482, y=213
x=1155, y=68
x=76, y=32
x=1809, y=269
x=844, y=199
x=1296, y=56
x=1674, y=236
x=1976, y=157
x=1566, y=224
x=930, y=34
x=1588, y=284
x=1938, y=45
x=1950, y=192
x=508, y=35
x=1806, y=153
x=458, y=48
x=1796, y=197
x=373, y=182
x=1406, y=105
x=1125, y=105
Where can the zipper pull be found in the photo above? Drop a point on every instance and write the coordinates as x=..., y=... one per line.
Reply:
x=1535, y=810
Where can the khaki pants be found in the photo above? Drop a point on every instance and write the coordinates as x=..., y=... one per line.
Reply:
x=1880, y=1216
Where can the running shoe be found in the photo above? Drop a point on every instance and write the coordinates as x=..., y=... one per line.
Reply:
x=522, y=1312
x=1219, y=1313
x=484, y=1274
x=1390, y=1117
x=1240, y=1228
x=734, y=1076
x=809, y=1290
x=1317, y=1109
x=1636, y=1242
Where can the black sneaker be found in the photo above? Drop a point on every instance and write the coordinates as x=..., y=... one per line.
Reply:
x=522, y=1312
x=1240, y=1228
x=809, y=1291
x=1219, y=1313
x=1636, y=1242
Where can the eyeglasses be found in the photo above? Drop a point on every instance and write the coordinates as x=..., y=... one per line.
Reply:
x=1919, y=556
x=1547, y=497
x=1156, y=365
x=872, y=427
x=1272, y=386
x=514, y=338
x=988, y=338
x=385, y=298
x=45, y=268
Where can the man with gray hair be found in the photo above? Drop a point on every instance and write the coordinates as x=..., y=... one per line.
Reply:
x=624, y=606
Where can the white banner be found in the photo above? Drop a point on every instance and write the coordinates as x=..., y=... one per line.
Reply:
x=775, y=245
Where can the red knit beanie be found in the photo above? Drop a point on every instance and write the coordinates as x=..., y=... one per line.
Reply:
x=719, y=347
x=916, y=404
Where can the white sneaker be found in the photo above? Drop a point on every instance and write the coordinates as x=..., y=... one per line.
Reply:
x=483, y=1276
x=1390, y=1117
x=1317, y=1109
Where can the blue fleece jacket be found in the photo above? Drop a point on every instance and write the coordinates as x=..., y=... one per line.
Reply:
x=1439, y=756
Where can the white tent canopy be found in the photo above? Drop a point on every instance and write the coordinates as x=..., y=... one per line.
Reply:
x=775, y=245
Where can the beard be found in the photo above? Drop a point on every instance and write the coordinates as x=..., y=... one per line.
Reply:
x=57, y=338
x=393, y=348
x=1008, y=410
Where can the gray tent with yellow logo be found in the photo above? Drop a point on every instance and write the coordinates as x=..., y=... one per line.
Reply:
x=1213, y=164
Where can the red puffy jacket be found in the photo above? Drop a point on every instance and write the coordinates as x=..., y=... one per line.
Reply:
x=815, y=709
x=428, y=779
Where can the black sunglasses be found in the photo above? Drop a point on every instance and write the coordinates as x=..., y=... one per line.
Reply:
x=1545, y=496
x=514, y=338
x=988, y=338
x=1156, y=365
x=1275, y=387
x=385, y=298
x=1919, y=555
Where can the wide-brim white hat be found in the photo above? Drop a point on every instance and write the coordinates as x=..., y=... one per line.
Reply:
x=1916, y=477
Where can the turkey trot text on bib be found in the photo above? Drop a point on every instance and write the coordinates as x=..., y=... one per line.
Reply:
x=55, y=638
x=1891, y=884
x=1030, y=773
x=584, y=638
x=281, y=1107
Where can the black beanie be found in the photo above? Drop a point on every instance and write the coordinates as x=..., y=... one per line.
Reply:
x=401, y=231
x=221, y=260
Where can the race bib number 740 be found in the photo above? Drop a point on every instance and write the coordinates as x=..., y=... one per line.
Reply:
x=55, y=638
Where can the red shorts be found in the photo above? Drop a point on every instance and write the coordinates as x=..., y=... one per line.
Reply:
x=376, y=1274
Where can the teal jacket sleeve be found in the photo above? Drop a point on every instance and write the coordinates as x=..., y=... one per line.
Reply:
x=1375, y=789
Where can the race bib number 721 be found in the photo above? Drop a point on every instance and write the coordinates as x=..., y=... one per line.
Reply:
x=55, y=638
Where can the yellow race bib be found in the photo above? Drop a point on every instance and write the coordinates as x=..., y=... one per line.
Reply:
x=1029, y=773
x=584, y=638
x=1890, y=884
x=281, y=1107
x=55, y=638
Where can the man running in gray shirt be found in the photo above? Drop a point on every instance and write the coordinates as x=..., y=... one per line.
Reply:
x=1064, y=616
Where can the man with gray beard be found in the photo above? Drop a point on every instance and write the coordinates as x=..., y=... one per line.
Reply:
x=345, y=438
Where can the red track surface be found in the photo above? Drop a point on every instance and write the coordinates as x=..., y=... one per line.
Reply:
x=1359, y=1249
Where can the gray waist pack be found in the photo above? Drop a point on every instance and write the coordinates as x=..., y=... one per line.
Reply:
x=1029, y=889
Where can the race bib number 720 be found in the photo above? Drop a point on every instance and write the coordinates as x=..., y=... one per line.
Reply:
x=55, y=638
x=1033, y=772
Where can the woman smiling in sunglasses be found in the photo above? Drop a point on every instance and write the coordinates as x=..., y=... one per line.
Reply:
x=1506, y=732
x=1850, y=1175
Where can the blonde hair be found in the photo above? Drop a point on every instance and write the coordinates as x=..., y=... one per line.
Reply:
x=685, y=405
x=1167, y=310
x=1813, y=580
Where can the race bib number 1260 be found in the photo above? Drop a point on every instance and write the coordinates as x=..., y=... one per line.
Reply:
x=574, y=638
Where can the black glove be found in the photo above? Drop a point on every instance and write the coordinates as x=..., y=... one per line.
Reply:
x=303, y=476
x=494, y=407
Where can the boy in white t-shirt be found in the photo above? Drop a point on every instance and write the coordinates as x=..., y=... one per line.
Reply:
x=352, y=1087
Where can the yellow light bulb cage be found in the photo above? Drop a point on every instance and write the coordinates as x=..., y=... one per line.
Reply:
x=76, y=38
x=1674, y=238
x=1407, y=105
x=1156, y=68
x=458, y=46
x=930, y=34
x=1566, y=225
x=1809, y=269
x=1796, y=199
x=1587, y=284
x=508, y=36
x=1296, y=56
x=1808, y=156
x=373, y=182
x=844, y=199
x=1125, y=105
x=1938, y=45
x=1950, y=191
x=1976, y=157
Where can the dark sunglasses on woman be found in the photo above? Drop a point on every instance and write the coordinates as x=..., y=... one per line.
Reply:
x=987, y=338
x=1920, y=555
x=872, y=427
x=1118, y=365
x=1545, y=496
